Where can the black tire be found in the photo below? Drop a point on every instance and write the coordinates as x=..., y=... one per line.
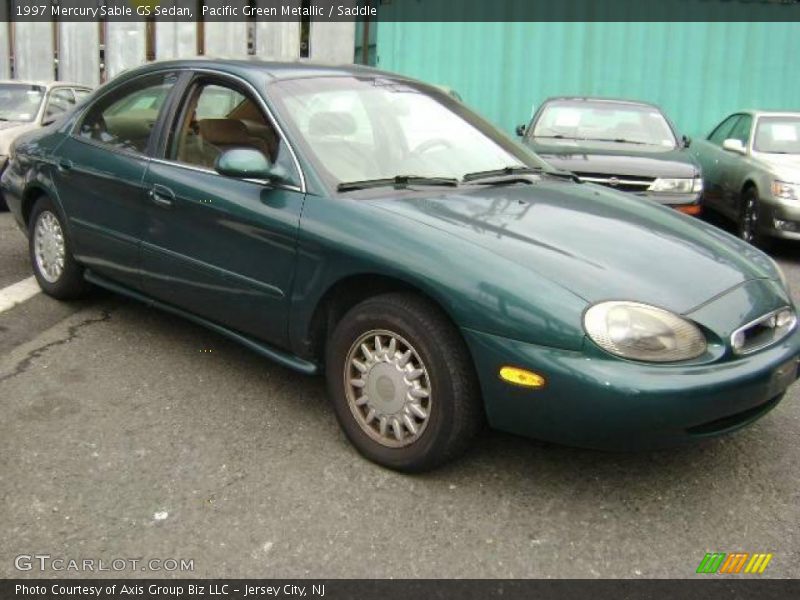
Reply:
x=70, y=284
x=3, y=205
x=749, y=217
x=455, y=408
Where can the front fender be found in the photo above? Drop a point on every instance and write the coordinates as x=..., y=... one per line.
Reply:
x=341, y=238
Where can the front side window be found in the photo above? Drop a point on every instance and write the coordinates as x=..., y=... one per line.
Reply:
x=741, y=131
x=125, y=118
x=219, y=117
x=777, y=135
x=610, y=122
x=721, y=133
x=360, y=129
x=20, y=102
x=61, y=100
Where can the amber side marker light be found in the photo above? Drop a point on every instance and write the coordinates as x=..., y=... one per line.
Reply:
x=522, y=377
x=691, y=209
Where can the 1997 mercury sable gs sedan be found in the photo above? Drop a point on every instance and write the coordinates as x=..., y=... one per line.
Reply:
x=441, y=273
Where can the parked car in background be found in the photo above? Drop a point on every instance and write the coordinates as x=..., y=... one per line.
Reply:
x=629, y=146
x=26, y=105
x=362, y=224
x=751, y=166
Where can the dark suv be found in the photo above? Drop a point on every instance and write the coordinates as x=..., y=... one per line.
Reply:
x=630, y=146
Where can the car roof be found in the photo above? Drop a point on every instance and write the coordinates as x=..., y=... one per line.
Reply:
x=273, y=69
x=602, y=99
x=770, y=113
x=45, y=84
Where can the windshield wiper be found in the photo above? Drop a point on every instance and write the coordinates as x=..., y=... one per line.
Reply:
x=401, y=181
x=618, y=141
x=557, y=136
x=504, y=172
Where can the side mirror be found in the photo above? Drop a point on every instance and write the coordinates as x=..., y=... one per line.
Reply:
x=687, y=141
x=246, y=163
x=734, y=146
x=521, y=130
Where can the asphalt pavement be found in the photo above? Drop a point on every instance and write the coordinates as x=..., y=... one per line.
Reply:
x=127, y=433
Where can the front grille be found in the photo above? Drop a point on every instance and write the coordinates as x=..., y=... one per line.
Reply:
x=623, y=183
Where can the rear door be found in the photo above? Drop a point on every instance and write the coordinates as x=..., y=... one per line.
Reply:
x=220, y=247
x=99, y=175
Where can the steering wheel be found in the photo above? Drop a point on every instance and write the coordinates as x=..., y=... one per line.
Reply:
x=432, y=143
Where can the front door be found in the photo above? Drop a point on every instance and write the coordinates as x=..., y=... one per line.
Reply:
x=219, y=247
x=710, y=155
x=100, y=176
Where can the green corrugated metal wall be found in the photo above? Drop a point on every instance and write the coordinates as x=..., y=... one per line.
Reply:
x=697, y=72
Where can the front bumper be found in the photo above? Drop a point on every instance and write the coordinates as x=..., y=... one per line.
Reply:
x=598, y=401
x=686, y=203
x=779, y=218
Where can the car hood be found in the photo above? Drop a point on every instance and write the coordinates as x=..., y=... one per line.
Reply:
x=597, y=243
x=609, y=158
x=9, y=131
x=785, y=166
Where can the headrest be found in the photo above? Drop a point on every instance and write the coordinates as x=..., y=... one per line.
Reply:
x=332, y=123
x=223, y=131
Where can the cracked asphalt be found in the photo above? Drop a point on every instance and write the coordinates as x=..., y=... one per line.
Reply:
x=128, y=433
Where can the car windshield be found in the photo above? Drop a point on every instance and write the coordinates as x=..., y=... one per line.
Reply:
x=778, y=135
x=365, y=129
x=614, y=122
x=20, y=102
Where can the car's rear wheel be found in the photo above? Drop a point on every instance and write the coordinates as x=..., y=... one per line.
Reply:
x=57, y=272
x=402, y=383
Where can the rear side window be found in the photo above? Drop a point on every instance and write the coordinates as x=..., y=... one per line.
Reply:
x=125, y=118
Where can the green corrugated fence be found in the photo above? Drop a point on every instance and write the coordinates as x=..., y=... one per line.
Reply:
x=697, y=72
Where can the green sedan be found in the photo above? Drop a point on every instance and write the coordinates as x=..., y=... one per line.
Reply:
x=442, y=275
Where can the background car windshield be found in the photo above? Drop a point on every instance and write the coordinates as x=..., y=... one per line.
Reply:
x=605, y=121
x=778, y=135
x=363, y=129
x=20, y=102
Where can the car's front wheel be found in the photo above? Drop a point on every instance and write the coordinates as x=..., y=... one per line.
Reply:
x=57, y=272
x=749, y=219
x=402, y=383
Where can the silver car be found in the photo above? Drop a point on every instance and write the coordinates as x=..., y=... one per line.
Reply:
x=27, y=105
x=751, y=168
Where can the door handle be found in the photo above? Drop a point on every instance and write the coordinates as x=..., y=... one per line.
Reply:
x=64, y=165
x=162, y=196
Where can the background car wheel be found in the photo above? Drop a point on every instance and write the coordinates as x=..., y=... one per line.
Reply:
x=402, y=383
x=50, y=251
x=749, y=219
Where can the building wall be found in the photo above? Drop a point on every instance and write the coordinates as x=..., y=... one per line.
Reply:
x=697, y=72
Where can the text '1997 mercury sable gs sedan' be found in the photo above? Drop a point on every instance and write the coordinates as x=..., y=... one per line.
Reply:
x=439, y=272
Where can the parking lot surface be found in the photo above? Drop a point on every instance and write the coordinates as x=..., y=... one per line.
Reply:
x=129, y=433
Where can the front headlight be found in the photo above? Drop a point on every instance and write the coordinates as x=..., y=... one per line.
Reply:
x=642, y=332
x=677, y=186
x=785, y=191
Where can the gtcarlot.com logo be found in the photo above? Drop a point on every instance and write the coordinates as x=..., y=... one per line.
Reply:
x=45, y=562
x=736, y=562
